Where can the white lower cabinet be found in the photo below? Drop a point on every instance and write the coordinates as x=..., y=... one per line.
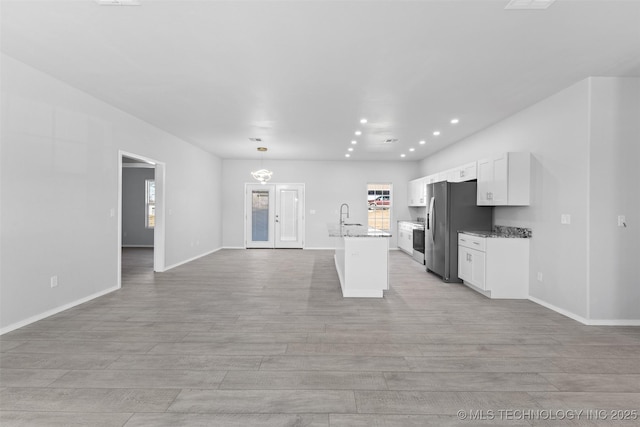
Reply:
x=494, y=266
x=471, y=264
x=405, y=237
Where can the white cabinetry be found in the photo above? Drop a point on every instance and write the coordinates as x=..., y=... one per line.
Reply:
x=462, y=173
x=472, y=260
x=417, y=192
x=494, y=266
x=504, y=180
x=405, y=237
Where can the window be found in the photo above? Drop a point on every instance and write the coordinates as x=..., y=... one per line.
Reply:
x=150, y=203
x=379, y=206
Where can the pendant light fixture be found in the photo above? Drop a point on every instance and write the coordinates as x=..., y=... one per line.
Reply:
x=262, y=175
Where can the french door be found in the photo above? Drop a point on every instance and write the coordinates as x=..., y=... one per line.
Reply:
x=274, y=215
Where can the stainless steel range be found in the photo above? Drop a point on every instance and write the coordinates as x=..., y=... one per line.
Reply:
x=418, y=242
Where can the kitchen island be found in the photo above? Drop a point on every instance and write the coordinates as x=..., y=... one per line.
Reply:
x=362, y=260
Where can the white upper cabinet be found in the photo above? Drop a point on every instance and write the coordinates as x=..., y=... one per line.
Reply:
x=432, y=178
x=504, y=180
x=462, y=173
x=417, y=192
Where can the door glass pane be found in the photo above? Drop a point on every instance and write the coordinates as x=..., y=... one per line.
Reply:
x=259, y=216
x=379, y=206
x=288, y=216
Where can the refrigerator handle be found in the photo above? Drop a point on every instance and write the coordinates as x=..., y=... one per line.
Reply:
x=430, y=216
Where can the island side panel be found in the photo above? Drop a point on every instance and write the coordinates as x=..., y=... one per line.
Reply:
x=366, y=262
x=339, y=258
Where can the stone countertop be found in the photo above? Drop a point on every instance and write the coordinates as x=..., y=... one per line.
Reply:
x=355, y=231
x=500, y=231
x=410, y=221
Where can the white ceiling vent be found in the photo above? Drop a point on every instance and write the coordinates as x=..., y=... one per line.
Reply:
x=390, y=141
x=118, y=2
x=529, y=4
x=255, y=139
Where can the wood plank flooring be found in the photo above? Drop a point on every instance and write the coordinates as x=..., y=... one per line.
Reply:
x=264, y=338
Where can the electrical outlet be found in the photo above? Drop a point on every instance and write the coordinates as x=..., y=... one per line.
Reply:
x=53, y=281
x=622, y=221
x=539, y=276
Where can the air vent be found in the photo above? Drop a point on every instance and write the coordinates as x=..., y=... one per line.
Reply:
x=255, y=139
x=528, y=4
x=390, y=141
x=118, y=2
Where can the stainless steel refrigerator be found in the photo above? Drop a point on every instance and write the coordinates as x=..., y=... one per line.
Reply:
x=451, y=208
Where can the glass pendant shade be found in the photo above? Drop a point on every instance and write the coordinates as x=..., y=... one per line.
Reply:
x=262, y=175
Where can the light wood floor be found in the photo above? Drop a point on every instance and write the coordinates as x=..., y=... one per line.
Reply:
x=264, y=338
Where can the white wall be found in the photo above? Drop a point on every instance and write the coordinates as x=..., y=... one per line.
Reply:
x=328, y=184
x=614, y=288
x=59, y=185
x=560, y=133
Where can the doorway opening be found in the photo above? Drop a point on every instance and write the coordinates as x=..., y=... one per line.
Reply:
x=140, y=218
x=274, y=216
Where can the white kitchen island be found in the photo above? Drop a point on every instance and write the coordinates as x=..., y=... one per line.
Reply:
x=362, y=260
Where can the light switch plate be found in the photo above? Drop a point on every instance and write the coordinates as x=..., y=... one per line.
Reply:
x=565, y=219
x=622, y=221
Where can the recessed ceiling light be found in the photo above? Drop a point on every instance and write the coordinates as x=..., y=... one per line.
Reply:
x=412, y=149
x=436, y=133
x=358, y=133
x=423, y=142
x=350, y=148
x=347, y=155
x=403, y=155
x=354, y=142
x=455, y=121
x=363, y=121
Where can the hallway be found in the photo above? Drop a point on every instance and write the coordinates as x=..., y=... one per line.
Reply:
x=264, y=338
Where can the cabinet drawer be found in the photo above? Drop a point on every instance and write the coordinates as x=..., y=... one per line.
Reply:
x=473, y=242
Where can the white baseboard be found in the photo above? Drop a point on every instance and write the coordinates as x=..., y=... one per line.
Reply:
x=589, y=322
x=559, y=310
x=614, y=322
x=233, y=247
x=189, y=260
x=56, y=310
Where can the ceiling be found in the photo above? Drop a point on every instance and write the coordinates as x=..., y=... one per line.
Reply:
x=301, y=74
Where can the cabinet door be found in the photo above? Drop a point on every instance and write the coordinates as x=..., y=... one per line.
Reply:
x=471, y=266
x=464, y=264
x=422, y=192
x=468, y=172
x=499, y=186
x=410, y=194
x=485, y=179
x=478, y=259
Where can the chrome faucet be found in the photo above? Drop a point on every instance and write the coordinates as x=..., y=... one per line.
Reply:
x=342, y=213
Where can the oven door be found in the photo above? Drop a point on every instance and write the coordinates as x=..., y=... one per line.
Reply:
x=418, y=245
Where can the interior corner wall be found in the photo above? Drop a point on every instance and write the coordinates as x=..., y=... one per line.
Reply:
x=614, y=292
x=59, y=193
x=327, y=185
x=556, y=132
x=134, y=227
